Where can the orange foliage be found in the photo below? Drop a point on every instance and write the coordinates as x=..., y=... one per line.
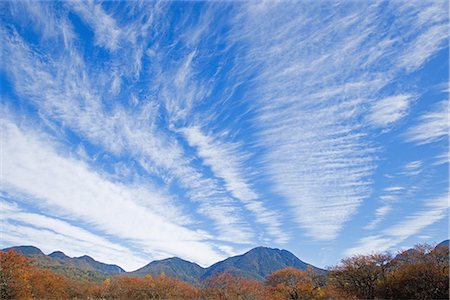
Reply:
x=14, y=276
x=20, y=280
x=47, y=285
x=226, y=286
x=363, y=276
x=159, y=287
x=292, y=283
x=421, y=274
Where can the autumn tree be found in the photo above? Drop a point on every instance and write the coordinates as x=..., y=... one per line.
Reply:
x=165, y=287
x=292, y=283
x=149, y=287
x=227, y=286
x=14, y=276
x=364, y=276
x=127, y=288
x=420, y=273
x=45, y=284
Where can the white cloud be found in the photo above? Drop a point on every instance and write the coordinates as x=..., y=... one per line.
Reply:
x=67, y=95
x=227, y=163
x=412, y=168
x=380, y=214
x=107, y=33
x=424, y=46
x=389, y=110
x=68, y=187
x=51, y=234
x=413, y=165
x=371, y=244
x=442, y=159
x=390, y=196
x=432, y=126
x=394, y=189
x=310, y=90
x=433, y=211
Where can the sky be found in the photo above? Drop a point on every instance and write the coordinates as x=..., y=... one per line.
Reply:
x=141, y=130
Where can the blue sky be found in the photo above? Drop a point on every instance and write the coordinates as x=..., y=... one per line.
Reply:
x=134, y=131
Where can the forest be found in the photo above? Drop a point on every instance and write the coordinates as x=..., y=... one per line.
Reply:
x=418, y=273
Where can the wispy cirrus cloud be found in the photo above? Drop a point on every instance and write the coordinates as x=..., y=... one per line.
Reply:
x=70, y=189
x=380, y=214
x=432, y=126
x=107, y=32
x=388, y=198
x=412, y=168
x=68, y=96
x=388, y=110
x=227, y=163
x=432, y=211
x=20, y=227
x=312, y=83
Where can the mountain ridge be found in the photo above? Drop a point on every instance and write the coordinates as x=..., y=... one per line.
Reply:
x=257, y=264
x=84, y=267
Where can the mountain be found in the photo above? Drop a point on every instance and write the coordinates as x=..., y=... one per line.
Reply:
x=172, y=267
x=87, y=262
x=258, y=263
x=444, y=243
x=83, y=267
x=99, y=266
x=25, y=250
x=59, y=255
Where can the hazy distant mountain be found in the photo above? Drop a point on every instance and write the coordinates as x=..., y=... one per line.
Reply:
x=258, y=263
x=87, y=262
x=444, y=243
x=83, y=267
x=59, y=255
x=25, y=250
x=172, y=267
x=99, y=266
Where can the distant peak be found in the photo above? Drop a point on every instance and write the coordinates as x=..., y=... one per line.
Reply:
x=444, y=243
x=173, y=260
x=58, y=254
x=263, y=248
x=85, y=257
x=25, y=250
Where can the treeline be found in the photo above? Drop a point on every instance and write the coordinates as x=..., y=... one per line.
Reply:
x=419, y=273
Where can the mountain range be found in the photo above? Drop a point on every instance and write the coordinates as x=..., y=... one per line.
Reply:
x=83, y=267
x=256, y=264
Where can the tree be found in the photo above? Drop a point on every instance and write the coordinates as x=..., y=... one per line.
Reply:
x=47, y=285
x=420, y=273
x=364, y=276
x=292, y=283
x=227, y=286
x=14, y=276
